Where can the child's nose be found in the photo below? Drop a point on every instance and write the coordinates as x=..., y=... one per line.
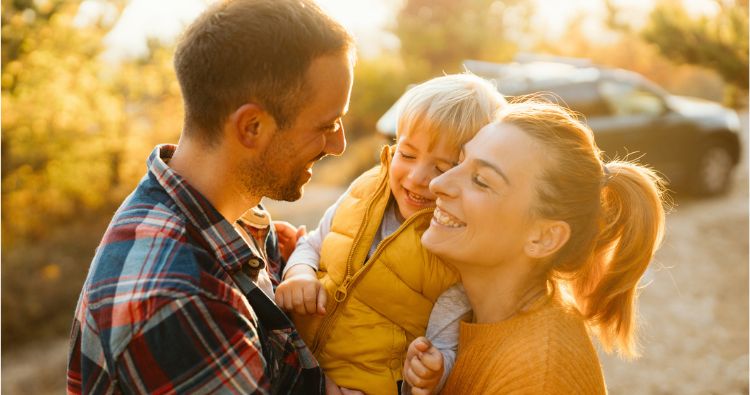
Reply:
x=421, y=175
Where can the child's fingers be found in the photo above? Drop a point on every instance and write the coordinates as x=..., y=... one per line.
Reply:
x=322, y=299
x=298, y=300
x=310, y=298
x=283, y=299
x=420, y=391
x=279, y=297
x=411, y=376
x=416, y=347
x=432, y=359
x=347, y=391
x=421, y=370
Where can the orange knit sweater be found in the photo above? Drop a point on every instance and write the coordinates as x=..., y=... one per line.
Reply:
x=545, y=350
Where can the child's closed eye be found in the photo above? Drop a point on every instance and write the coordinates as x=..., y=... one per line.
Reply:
x=406, y=155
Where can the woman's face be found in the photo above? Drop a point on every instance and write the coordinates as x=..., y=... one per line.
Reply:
x=483, y=213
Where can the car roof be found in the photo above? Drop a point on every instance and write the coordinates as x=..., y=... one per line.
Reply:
x=530, y=76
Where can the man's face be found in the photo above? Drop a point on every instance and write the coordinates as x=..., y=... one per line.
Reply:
x=317, y=130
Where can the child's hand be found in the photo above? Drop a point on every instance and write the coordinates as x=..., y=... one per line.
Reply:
x=288, y=236
x=333, y=389
x=301, y=291
x=423, y=367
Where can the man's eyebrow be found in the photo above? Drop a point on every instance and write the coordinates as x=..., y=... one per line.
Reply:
x=334, y=118
x=484, y=163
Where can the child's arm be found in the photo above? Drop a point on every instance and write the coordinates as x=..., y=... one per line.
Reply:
x=451, y=307
x=300, y=291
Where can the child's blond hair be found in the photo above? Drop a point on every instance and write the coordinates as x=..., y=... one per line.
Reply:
x=452, y=107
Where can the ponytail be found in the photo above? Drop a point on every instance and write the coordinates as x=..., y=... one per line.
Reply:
x=615, y=213
x=630, y=230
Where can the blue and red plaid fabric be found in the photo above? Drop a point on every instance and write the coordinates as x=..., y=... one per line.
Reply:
x=169, y=305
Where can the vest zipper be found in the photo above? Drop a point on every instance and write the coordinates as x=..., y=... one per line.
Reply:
x=342, y=289
x=350, y=281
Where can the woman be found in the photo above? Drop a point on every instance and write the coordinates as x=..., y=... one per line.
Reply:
x=550, y=242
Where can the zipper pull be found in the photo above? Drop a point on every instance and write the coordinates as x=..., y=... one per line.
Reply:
x=342, y=290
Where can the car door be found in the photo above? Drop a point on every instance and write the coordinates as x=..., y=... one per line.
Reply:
x=639, y=126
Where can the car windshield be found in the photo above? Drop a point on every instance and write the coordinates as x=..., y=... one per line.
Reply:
x=628, y=99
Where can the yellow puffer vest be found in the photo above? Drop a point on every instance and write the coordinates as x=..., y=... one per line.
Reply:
x=374, y=308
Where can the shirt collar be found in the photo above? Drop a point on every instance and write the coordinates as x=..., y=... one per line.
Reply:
x=228, y=246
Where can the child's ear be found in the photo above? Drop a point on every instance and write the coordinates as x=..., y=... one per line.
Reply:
x=251, y=125
x=546, y=238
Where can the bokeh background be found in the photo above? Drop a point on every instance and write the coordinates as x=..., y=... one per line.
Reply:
x=88, y=90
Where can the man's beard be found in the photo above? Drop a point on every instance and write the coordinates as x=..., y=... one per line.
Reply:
x=262, y=176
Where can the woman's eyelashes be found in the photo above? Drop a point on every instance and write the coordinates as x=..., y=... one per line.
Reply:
x=479, y=181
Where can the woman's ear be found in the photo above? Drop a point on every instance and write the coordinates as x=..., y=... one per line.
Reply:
x=251, y=125
x=548, y=237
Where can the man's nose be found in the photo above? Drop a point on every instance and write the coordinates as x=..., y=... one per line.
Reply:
x=336, y=142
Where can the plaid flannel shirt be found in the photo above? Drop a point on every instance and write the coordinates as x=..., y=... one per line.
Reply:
x=170, y=304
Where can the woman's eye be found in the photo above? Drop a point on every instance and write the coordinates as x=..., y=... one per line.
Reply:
x=479, y=181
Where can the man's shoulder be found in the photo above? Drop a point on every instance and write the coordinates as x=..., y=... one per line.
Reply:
x=150, y=259
x=148, y=253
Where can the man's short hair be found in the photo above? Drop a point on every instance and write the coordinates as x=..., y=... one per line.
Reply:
x=239, y=51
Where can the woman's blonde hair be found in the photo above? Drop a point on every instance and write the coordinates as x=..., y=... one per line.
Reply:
x=452, y=107
x=615, y=211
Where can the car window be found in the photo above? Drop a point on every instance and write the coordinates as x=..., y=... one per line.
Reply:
x=629, y=99
x=584, y=98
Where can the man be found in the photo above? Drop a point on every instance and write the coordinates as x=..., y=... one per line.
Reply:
x=179, y=295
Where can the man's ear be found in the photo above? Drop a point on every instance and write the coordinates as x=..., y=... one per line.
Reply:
x=546, y=238
x=251, y=125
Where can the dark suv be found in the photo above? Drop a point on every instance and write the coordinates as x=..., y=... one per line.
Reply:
x=694, y=143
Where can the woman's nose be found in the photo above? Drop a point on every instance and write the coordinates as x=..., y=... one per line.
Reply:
x=444, y=184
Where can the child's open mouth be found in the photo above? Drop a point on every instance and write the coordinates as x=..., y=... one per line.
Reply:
x=418, y=199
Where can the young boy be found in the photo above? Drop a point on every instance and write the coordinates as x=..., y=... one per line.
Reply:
x=361, y=287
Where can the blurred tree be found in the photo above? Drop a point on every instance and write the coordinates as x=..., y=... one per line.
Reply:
x=68, y=117
x=719, y=42
x=621, y=45
x=378, y=82
x=76, y=132
x=436, y=35
x=60, y=120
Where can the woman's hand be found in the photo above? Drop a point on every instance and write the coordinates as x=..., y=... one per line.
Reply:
x=423, y=367
x=301, y=291
x=288, y=235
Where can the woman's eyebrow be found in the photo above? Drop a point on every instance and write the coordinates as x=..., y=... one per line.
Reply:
x=489, y=165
